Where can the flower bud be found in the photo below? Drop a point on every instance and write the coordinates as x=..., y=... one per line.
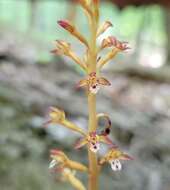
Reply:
x=56, y=115
x=66, y=25
x=104, y=27
x=72, y=30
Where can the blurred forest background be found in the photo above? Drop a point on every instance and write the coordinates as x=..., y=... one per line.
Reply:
x=31, y=80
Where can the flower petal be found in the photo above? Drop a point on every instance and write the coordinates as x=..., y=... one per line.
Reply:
x=107, y=140
x=52, y=164
x=80, y=143
x=103, y=81
x=82, y=83
x=126, y=157
x=54, y=153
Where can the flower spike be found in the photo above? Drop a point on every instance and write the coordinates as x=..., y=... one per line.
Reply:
x=96, y=9
x=72, y=30
x=92, y=63
x=57, y=116
x=114, y=156
x=93, y=83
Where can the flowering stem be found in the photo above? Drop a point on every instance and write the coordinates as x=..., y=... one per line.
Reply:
x=93, y=166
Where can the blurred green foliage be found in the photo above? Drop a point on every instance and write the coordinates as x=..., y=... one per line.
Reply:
x=127, y=23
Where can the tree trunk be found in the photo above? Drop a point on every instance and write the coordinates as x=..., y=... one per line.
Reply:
x=167, y=25
x=33, y=15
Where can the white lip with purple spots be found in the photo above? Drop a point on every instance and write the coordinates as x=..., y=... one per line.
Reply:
x=94, y=147
x=116, y=165
x=94, y=89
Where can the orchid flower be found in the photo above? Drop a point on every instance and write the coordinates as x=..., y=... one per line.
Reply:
x=67, y=168
x=64, y=48
x=57, y=116
x=117, y=45
x=111, y=41
x=93, y=82
x=113, y=157
x=60, y=160
x=93, y=140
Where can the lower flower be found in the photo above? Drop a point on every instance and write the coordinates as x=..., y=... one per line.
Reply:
x=113, y=157
x=60, y=161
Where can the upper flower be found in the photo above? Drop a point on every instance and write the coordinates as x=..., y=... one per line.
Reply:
x=117, y=45
x=111, y=41
x=114, y=156
x=57, y=116
x=64, y=48
x=93, y=82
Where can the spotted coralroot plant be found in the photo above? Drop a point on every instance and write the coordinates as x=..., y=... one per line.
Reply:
x=91, y=138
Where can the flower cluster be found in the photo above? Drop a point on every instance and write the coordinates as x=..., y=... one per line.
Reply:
x=91, y=64
x=92, y=140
